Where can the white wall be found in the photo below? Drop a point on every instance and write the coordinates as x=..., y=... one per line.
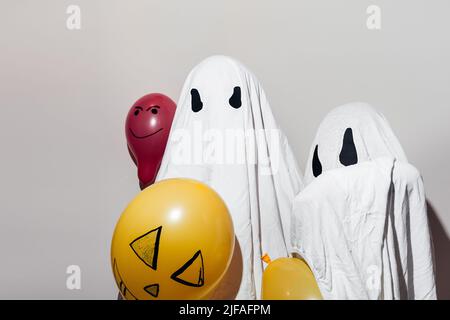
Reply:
x=65, y=173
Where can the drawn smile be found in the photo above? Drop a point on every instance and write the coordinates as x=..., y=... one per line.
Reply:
x=146, y=136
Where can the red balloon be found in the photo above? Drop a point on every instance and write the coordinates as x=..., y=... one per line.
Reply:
x=147, y=129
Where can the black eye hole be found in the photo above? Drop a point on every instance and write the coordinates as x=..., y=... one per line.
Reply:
x=316, y=165
x=235, y=100
x=348, y=155
x=137, y=110
x=196, y=101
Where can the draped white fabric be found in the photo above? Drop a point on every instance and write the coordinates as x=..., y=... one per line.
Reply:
x=224, y=134
x=372, y=134
x=361, y=222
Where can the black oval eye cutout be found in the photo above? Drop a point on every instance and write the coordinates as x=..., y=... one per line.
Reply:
x=348, y=155
x=196, y=101
x=235, y=100
x=316, y=165
x=137, y=110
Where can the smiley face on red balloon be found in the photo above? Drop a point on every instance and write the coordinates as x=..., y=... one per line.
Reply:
x=147, y=129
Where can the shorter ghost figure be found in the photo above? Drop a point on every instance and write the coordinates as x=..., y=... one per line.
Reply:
x=147, y=128
x=361, y=222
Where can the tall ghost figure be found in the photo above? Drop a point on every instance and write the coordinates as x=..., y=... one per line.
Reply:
x=224, y=134
x=361, y=222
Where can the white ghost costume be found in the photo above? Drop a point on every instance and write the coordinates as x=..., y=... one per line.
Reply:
x=224, y=134
x=361, y=224
x=371, y=132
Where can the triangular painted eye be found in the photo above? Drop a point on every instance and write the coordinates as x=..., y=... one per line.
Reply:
x=316, y=165
x=235, y=100
x=348, y=155
x=196, y=101
x=192, y=273
x=146, y=247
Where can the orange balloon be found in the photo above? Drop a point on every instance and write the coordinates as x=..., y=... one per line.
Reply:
x=289, y=279
x=175, y=240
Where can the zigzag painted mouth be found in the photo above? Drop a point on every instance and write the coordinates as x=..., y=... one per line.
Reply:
x=146, y=136
x=124, y=291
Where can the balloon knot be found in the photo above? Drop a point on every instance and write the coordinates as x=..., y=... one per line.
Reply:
x=266, y=258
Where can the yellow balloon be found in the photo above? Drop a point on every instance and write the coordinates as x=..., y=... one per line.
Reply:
x=173, y=241
x=289, y=279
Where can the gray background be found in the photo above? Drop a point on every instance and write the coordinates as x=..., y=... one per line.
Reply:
x=65, y=173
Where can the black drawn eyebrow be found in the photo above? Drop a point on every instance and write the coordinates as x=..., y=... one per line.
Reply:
x=153, y=107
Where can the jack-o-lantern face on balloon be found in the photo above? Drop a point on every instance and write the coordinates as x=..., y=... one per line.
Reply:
x=146, y=248
x=174, y=241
